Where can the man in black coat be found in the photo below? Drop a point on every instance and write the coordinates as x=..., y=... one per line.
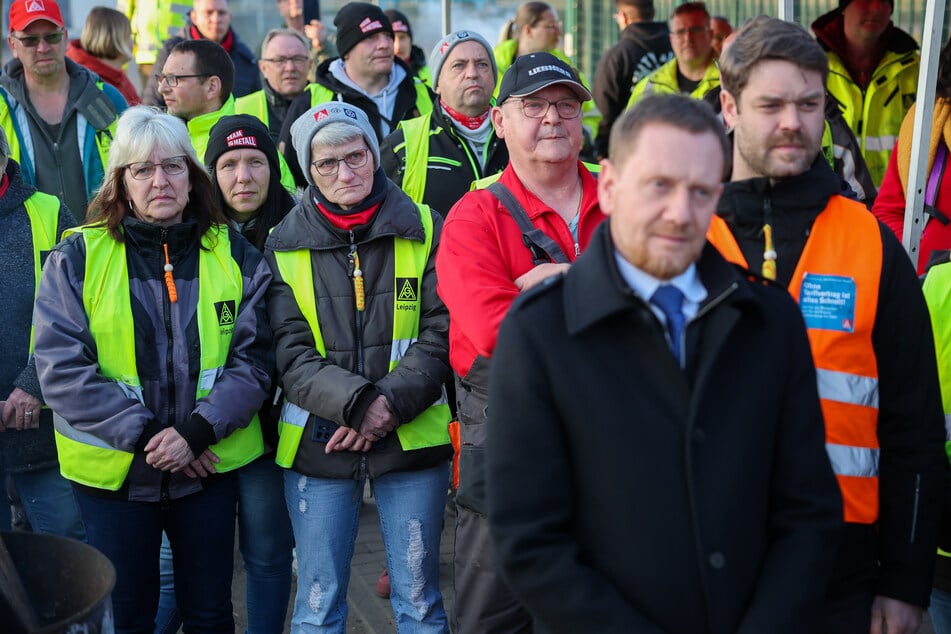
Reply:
x=643, y=48
x=657, y=468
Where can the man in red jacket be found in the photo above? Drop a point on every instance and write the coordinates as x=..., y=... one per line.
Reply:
x=485, y=260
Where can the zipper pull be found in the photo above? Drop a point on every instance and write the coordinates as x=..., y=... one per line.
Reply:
x=357, y=274
x=169, y=278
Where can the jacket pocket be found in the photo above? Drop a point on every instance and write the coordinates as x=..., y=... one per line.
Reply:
x=472, y=397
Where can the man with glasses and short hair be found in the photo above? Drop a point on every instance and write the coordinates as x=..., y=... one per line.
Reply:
x=285, y=66
x=58, y=118
x=362, y=353
x=497, y=243
x=693, y=71
x=196, y=82
x=209, y=20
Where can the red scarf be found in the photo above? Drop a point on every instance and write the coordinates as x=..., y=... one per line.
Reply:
x=349, y=221
x=226, y=43
x=473, y=123
x=4, y=184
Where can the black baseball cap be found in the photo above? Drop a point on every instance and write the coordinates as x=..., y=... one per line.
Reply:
x=530, y=73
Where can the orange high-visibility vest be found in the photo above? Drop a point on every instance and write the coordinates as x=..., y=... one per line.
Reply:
x=836, y=284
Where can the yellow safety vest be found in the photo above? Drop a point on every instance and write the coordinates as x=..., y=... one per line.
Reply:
x=431, y=427
x=321, y=94
x=43, y=212
x=90, y=461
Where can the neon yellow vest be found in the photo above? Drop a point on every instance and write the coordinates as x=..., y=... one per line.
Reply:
x=254, y=104
x=431, y=427
x=321, y=94
x=43, y=212
x=936, y=289
x=106, y=297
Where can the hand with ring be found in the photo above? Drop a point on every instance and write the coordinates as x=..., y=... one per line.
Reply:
x=21, y=411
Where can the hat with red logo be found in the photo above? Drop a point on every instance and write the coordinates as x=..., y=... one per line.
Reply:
x=240, y=132
x=356, y=21
x=306, y=126
x=23, y=13
x=444, y=46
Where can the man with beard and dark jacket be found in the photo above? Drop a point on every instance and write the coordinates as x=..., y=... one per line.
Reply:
x=644, y=47
x=362, y=354
x=873, y=74
x=868, y=325
x=209, y=20
x=366, y=75
x=58, y=119
x=436, y=157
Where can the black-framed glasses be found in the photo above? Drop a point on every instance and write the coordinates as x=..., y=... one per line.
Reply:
x=330, y=166
x=537, y=108
x=692, y=31
x=172, y=79
x=32, y=41
x=145, y=170
x=297, y=60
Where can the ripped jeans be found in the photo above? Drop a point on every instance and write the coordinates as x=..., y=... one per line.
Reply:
x=325, y=517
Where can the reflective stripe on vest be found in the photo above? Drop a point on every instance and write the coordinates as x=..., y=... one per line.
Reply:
x=106, y=297
x=845, y=243
x=430, y=428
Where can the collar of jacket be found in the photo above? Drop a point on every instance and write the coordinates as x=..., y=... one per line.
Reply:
x=17, y=191
x=305, y=227
x=828, y=31
x=84, y=95
x=146, y=238
x=201, y=125
x=794, y=202
x=595, y=290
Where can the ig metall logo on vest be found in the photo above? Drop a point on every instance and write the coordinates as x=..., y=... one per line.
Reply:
x=225, y=311
x=407, y=293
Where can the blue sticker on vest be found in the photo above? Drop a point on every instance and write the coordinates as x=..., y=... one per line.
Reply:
x=827, y=302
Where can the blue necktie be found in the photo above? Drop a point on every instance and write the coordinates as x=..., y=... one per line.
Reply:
x=670, y=301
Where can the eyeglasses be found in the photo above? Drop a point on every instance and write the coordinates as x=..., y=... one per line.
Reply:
x=172, y=80
x=692, y=31
x=297, y=60
x=146, y=169
x=32, y=41
x=537, y=108
x=330, y=166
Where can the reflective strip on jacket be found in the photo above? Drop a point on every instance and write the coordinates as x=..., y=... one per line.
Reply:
x=106, y=296
x=430, y=428
x=875, y=114
x=843, y=251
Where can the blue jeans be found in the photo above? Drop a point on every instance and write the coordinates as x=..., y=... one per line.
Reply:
x=49, y=502
x=200, y=528
x=266, y=543
x=940, y=611
x=325, y=516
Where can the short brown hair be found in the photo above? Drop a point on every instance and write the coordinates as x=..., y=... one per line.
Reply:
x=763, y=38
x=691, y=7
x=107, y=34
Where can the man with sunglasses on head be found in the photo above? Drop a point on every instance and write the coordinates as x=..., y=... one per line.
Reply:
x=58, y=118
x=693, y=71
x=498, y=242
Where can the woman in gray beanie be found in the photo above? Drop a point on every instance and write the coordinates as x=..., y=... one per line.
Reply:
x=362, y=353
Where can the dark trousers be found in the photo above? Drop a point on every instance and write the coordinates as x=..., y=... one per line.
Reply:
x=483, y=601
x=200, y=528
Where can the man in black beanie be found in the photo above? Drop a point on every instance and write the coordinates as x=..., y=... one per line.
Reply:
x=366, y=75
x=873, y=73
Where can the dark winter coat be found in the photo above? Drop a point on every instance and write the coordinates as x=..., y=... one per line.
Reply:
x=626, y=492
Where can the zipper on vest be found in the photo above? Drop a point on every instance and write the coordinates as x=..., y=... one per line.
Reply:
x=169, y=356
x=359, y=299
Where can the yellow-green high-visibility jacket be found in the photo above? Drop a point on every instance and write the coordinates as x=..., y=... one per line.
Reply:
x=153, y=22
x=106, y=297
x=43, y=212
x=430, y=428
x=322, y=94
x=875, y=114
x=663, y=81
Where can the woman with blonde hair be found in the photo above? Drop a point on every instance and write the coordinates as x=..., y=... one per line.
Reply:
x=105, y=47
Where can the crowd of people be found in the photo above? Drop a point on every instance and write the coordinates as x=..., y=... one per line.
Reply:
x=655, y=334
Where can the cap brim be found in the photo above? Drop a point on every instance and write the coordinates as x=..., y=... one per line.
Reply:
x=44, y=18
x=578, y=89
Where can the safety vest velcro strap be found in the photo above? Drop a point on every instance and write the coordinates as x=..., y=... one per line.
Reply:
x=861, y=462
x=399, y=348
x=884, y=143
x=843, y=387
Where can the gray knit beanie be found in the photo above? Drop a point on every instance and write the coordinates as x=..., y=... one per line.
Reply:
x=445, y=45
x=307, y=125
